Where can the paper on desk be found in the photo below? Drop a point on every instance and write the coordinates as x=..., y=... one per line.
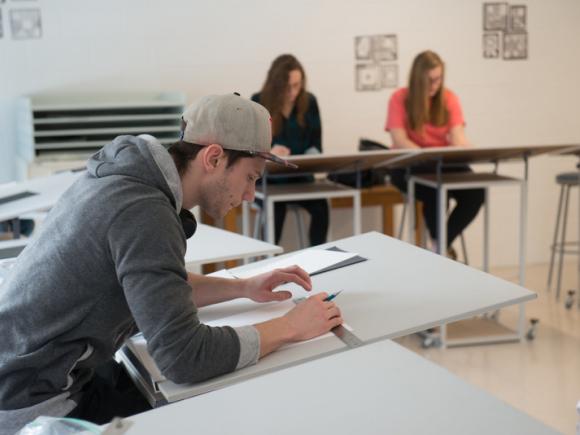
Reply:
x=311, y=260
x=263, y=313
x=223, y=273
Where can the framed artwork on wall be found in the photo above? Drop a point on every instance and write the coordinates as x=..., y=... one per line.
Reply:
x=495, y=16
x=515, y=46
x=517, y=19
x=491, y=45
x=368, y=77
x=25, y=23
x=390, y=76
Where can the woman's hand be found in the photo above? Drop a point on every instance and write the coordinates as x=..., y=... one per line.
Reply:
x=280, y=151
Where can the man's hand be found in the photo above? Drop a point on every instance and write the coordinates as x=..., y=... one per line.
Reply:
x=313, y=317
x=308, y=319
x=260, y=288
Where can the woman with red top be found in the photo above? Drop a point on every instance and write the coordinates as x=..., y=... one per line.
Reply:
x=427, y=114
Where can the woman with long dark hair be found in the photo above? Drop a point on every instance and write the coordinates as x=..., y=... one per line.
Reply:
x=427, y=114
x=296, y=129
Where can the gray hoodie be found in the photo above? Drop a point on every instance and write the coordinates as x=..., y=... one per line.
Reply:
x=108, y=261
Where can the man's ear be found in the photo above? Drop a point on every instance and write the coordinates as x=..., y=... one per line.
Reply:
x=211, y=156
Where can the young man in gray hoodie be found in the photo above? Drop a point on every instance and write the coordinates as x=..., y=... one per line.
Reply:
x=109, y=261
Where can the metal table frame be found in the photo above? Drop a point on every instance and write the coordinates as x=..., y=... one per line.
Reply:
x=443, y=183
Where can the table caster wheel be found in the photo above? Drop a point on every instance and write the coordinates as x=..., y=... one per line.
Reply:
x=532, y=331
x=570, y=299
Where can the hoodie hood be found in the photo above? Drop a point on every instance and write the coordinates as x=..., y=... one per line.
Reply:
x=143, y=158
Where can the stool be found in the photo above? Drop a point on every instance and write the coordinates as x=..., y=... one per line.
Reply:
x=566, y=181
x=259, y=224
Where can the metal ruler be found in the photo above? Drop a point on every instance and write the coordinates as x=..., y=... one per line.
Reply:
x=347, y=337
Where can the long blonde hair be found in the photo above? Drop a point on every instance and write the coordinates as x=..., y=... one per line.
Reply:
x=274, y=90
x=420, y=110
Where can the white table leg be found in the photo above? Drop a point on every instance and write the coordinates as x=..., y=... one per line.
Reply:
x=486, y=230
x=442, y=219
x=523, y=224
x=246, y=218
x=270, y=233
x=411, y=209
x=443, y=335
x=356, y=211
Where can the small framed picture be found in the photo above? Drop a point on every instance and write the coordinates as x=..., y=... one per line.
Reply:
x=25, y=23
x=363, y=47
x=390, y=76
x=368, y=77
x=491, y=45
x=515, y=46
x=495, y=16
x=385, y=47
x=517, y=19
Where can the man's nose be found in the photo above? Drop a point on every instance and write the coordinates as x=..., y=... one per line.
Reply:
x=250, y=193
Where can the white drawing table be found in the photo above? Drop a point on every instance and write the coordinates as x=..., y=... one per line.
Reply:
x=401, y=289
x=377, y=389
x=211, y=245
x=271, y=193
x=42, y=193
x=444, y=182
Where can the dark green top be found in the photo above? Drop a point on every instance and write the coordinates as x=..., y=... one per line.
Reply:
x=298, y=139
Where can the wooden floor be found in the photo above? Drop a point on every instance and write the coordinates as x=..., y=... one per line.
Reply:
x=540, y=377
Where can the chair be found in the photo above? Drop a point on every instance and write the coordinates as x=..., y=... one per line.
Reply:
x=423, y=241
x=560, y=244
x=290, y=208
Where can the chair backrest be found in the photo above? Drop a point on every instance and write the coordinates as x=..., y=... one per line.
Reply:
x=370, y=145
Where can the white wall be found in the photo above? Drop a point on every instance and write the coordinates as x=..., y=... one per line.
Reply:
x=224, y=46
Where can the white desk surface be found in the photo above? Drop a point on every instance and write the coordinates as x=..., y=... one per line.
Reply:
x=573, y=150
x=313, y=163
x=376, y=389
x=403, y=289
x=275, y=361
x=211, y=245
x=303, y=191
x=473, y=155
x=48, y=190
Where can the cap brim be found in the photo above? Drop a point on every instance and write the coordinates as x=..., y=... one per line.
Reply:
x=276, y=159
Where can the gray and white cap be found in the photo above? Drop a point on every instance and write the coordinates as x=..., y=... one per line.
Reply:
x=233, y=122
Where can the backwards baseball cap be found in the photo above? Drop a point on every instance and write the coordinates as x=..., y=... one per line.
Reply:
x=233, y=122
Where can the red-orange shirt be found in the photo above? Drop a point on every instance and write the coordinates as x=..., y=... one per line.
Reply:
x=431, y=136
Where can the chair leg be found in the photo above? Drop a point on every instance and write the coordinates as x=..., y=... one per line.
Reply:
x=555, y=240
x=403, y=217
x=562, y=241
x=300, y=227
x=258, y=227
x=464, y=248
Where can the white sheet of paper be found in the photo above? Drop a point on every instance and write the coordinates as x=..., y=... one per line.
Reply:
x=263, y=313
x=311, y=260
x=223, y=273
